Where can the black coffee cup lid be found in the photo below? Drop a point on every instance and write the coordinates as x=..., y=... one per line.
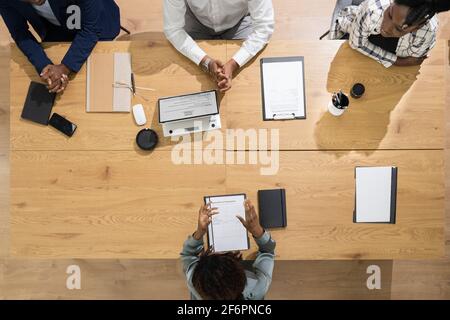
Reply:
x=358, y=90
x=147, y=139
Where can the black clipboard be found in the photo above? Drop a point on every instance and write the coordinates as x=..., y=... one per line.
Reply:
x=282, y=116
x=210, y=232
x=186, y=95
x=393, y=213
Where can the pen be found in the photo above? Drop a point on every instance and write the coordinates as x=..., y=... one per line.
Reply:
x=339, y=96
x=133, y=85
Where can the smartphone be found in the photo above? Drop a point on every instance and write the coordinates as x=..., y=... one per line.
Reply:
x=62, y=124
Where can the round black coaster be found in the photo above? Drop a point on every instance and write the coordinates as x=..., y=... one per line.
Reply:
x=147, y=139
x=358, y=91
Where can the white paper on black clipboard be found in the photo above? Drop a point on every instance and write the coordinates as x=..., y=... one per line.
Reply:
x=283, y=88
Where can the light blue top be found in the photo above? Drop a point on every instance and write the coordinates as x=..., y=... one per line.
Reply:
x=258, y=280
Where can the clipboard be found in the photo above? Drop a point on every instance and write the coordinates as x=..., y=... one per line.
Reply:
x=210, y=233
x=264, y=86
x=216, y=111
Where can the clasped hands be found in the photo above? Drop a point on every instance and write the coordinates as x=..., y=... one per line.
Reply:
x=56, y=77
x=222, y=74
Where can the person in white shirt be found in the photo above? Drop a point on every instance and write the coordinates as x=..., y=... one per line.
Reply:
x=188, y=20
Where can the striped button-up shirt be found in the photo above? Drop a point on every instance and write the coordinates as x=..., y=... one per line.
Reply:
x=360, y=22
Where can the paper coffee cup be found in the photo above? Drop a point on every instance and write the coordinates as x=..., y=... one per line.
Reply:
x=335, y=111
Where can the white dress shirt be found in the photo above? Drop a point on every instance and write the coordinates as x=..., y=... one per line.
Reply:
x=46, y=12
x=219, y=15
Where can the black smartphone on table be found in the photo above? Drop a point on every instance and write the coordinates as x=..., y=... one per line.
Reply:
x=61, y=124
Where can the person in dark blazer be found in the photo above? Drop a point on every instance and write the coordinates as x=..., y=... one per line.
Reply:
x=81, y=22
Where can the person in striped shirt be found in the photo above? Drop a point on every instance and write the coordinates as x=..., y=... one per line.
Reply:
x=393, y=32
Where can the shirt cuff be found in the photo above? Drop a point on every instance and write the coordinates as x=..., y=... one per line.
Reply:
x=389, y=63
x=197, y=54
x=42, y=64
x=263, y=239
x=73, y=67
x=194, y=242
x=242, y=57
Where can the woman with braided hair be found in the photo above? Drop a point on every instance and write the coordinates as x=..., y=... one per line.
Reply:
x=441, y=5
x=393, y=32
x=222, y=276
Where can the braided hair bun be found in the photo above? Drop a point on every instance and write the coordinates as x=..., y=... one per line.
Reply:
x=421, y=11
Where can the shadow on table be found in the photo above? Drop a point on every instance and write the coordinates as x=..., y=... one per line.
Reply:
x=142, y=36
x=364, y=125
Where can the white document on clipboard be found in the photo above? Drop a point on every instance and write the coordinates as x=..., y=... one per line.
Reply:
x=226, y=232
x=283, y=88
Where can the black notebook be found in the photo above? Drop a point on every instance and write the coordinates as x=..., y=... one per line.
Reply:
x=39, y=103
x=272, y=208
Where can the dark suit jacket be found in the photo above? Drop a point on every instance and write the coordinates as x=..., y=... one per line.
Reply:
x=100, y=20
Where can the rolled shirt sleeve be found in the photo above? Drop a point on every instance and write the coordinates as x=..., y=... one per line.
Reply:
x=263, y=21
x=174, y=21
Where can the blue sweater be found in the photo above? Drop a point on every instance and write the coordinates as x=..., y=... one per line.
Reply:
x=258, y=281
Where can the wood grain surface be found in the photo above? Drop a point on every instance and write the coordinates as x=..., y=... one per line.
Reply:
x=156, y=65
x=163, y=279
x=118, y=205
x=109, y=279
x=402, y=108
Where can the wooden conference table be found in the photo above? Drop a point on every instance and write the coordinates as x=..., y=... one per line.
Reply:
x=97, y=196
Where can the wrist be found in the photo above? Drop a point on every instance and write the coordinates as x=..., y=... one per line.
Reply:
x=258, y=232
x=205, y=64
x=66, y=70
x=234, y=65
x=198, y=234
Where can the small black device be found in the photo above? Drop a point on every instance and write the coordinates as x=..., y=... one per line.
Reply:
x=61, y=124
x=147, y=139
x=272, y=208
x=39, y=103
x=357, y=91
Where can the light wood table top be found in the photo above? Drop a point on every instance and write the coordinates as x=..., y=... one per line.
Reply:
x=397, y=112
x=403, y=108
x=116, y=204
x=97, y=196
x=156, y=65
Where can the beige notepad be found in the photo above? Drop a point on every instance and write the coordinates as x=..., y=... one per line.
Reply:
x=108, y=82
